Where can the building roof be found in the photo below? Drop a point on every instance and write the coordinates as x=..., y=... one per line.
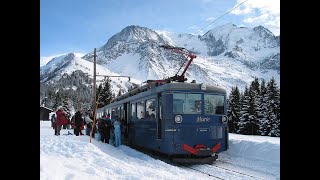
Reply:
x=46, y=108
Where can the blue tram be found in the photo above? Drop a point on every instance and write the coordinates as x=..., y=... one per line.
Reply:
x=186, y=121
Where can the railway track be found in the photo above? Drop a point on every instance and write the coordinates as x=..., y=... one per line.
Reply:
x=220, y=172
x=219, y=169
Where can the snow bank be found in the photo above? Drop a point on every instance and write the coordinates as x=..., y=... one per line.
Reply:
x=255, y=147
x=258, y=153
x=45, y=124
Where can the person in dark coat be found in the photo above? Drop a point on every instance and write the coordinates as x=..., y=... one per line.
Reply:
x=78, y=122
x=89, y=125
x=53, y=123
x=72, y=124
x=105, y=129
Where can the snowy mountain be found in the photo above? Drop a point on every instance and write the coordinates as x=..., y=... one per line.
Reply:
x=226, y=56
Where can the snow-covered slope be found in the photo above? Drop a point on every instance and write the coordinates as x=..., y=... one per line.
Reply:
x=226, y=56
x=68, y=63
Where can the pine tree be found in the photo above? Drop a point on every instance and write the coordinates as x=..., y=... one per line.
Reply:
x=106, y=94
x=99, y=95
x=234, y=110
x=66, y=106
x=273, y=108
x=244, y=123
x=254, y=90
x=58, y=100
x=264, y=124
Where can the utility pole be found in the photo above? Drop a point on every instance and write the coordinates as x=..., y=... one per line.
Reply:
x=94, y=78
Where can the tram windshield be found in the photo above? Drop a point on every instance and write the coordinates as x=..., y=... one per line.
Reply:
x=184, y=103
x=214, y=104
x=187, y=103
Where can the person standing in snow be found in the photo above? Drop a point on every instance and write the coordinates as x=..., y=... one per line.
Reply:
x=69, y=121
x=117, y=131
x=89, y=124
x=61, y=115
x=105, y=129
x=78, y=122
x=53, y=123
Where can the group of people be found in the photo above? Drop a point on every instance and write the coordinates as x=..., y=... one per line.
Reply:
x=109, y=129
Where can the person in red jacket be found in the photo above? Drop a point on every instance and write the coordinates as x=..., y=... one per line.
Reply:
x=61, y=118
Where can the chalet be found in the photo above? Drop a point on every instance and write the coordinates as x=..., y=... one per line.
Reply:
x=44, y=113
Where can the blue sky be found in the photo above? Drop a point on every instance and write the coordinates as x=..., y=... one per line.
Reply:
x=82, y=25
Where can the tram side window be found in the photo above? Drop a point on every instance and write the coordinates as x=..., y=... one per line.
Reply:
x=118, y=111
x=184, y=103
x=214, y=104
x=113, y=112
x=151, y=109
x=121, y=112
x=140, y=110
x=133, y=112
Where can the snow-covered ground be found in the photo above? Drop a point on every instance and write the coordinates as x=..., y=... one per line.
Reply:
x=74, y=157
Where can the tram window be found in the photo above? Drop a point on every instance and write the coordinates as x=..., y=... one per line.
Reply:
x=160, y=107
x=113, y=112
x=118, y=111
x=214, y=104
x=140, y=110
x=133, y=112
x=150, y=109
x=184, y=103
x=122, y=113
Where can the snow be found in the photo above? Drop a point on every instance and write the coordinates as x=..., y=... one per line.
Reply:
x=187, y=41
x=85, y=66
x=74, y=157
x=46, y=59
x=128, y=64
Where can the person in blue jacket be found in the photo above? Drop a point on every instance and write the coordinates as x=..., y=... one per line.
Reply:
x=117, y=131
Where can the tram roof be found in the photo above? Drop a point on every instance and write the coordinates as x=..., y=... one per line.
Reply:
x=153, y=89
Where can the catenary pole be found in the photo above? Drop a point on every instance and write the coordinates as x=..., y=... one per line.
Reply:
x=94, y=78
x=94, y=119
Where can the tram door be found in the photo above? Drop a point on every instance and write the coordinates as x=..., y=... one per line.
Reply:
x=159, y=116
x=126, y=121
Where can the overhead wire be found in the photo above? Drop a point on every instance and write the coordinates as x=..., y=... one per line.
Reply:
x=217, y=19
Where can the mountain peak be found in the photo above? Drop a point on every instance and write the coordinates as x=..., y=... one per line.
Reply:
x=262, y=31
x=136, y=33
x=221, y=31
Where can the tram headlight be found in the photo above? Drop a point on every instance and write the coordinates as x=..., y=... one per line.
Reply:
x=224, y=119
x=178, y=119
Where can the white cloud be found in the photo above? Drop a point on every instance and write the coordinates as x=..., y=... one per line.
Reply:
x=193, y=27
x=210, y=19
x=260, y=12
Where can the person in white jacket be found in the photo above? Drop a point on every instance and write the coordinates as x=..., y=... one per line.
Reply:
x=88, y=124
x=117, y=131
